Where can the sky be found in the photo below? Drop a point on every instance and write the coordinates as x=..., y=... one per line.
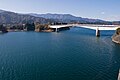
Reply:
x=98, y=9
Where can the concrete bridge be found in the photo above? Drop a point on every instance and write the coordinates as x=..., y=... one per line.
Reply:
x=88, y=26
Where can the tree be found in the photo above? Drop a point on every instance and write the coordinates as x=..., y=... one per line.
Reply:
x=3, y=29
x=30, y=27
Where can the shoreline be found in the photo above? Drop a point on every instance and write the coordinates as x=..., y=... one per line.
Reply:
x=31, y=30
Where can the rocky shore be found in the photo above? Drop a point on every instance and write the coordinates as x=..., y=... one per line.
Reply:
x=25, y=27
x=116, y=36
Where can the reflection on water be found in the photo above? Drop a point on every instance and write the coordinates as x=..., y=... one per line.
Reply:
x=75, y=54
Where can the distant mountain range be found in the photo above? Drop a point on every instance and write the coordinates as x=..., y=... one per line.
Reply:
x=66, y=18
x=8, y=17
x=1, y=11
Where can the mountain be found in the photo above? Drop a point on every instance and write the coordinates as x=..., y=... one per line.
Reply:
x=66, y=18
x=57, y=16
x=116, y=22
x=1, y=11
x=8, y=17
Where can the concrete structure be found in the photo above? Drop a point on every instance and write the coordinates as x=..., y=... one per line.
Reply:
x=88, y=26
x=57, y=27
x=97, y=32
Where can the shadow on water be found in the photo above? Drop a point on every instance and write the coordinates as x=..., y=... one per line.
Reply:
x=106, y=33
x=117, y=57
x=115, y=64
x=2, y=33
x=112, y=70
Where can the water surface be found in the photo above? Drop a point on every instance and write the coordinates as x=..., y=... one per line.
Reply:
x=75, y=54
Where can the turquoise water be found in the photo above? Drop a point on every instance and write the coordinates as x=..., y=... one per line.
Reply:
x=75, y=54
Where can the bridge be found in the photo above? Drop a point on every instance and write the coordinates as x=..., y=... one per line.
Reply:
x=88, y=26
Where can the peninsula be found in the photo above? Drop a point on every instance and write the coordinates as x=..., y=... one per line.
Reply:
x=116, y=36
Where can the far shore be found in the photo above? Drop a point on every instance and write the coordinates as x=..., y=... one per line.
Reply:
x=44, y=28
x=17, y=30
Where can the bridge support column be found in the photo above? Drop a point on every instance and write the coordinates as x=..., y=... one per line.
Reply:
x=57, y=30
x=97, y=32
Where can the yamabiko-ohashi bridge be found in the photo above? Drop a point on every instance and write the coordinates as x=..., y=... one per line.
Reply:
x=88, y=26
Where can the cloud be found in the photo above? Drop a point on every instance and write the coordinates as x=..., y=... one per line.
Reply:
x=102, y=12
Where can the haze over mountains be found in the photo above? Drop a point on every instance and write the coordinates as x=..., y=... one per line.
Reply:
x=8, y=17
x=66, y=18
x=1, y=11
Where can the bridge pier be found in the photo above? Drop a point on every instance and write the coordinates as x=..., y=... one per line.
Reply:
x=97, y=32
x=56, y=30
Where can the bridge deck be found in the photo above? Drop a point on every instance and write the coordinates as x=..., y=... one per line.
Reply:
x=93, y=27
x=100, y=28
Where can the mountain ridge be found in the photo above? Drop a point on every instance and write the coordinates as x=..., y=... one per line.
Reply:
x=63, y=17
x=9, y=17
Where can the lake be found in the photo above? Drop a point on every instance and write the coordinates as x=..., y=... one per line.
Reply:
x=75, y=54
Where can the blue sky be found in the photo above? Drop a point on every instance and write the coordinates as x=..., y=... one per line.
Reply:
x=101, y=9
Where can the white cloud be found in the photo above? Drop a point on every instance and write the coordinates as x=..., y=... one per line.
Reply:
x=102, y=12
